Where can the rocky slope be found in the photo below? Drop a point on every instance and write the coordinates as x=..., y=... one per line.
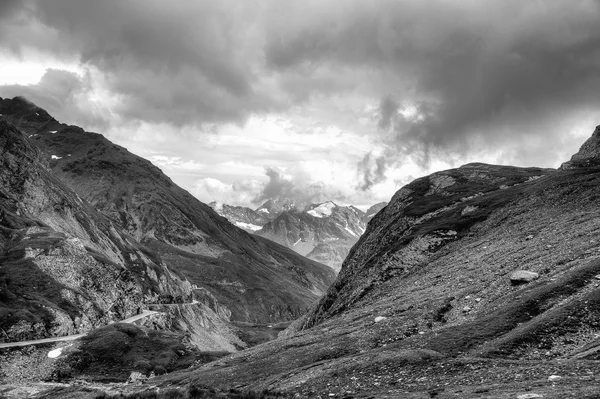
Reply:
x=64, y=267
x=322, y=232
x=256, y=279
x=428, y=304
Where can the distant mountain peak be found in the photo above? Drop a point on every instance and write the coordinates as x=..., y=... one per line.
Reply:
x=322, y=210
x=273, y=207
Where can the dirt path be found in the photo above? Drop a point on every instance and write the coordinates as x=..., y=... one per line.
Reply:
x=129, y=320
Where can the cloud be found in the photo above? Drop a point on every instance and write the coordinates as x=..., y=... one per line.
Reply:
x=504, y=70
x=238, y=193
x=185, y=63
x=65, y=95
x=298, y=185
x=371, y=170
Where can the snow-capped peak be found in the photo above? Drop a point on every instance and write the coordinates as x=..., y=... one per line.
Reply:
x=323, y=209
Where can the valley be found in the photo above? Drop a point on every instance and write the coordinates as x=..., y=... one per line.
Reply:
x=426, y=303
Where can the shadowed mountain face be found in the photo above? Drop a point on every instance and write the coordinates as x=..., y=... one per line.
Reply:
x=428, y=299
x=258, y=280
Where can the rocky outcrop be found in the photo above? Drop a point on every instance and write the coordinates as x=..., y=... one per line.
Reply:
x=588, y=154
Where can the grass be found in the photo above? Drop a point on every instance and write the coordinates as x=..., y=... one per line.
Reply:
x=111, y=353
x=535, y=301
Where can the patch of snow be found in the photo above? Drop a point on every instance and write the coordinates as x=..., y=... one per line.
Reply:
x=380, y=318
x=37, y=114
x=350, y=231
x=53, y=354
x=55, y=157
x=68, y=155
x=263, y=210
x=52, y=131
x=312, y=212
x=248, y=226
x=323, y=209
x=296, y=243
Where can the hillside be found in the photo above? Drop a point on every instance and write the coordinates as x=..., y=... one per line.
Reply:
x=254, y=278
x=429, y=304
x=65, y=268
x=323, y=232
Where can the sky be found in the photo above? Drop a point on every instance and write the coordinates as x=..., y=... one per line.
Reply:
x=239, y=101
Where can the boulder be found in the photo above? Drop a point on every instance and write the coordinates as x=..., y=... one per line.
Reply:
x=523, y=277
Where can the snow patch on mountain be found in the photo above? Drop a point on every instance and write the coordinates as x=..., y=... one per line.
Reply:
x=350, y=231
x=248, y=226
x=323, y=209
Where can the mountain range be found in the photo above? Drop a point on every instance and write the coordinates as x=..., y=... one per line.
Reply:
x=324, y=232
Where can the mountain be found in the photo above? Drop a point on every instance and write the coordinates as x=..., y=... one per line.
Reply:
x=479, y=281
x=245, y=218
x=65, y=267
x=323, y=232
x=253, y=279
x=275, y=206
x=373, y=210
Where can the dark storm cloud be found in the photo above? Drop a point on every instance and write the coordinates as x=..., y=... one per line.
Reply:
x=181, y=63
x=501, y=70
x=388, y=110
x=473, y=67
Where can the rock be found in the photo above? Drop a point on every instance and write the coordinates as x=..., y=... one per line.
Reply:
x=554, y=378
x=380, y=318
x=136, y=377
x=523, y=277
x=588, y=155
x=466, y=309
x=529, y=237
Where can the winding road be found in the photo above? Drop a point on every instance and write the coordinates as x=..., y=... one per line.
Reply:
x=130, y=320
